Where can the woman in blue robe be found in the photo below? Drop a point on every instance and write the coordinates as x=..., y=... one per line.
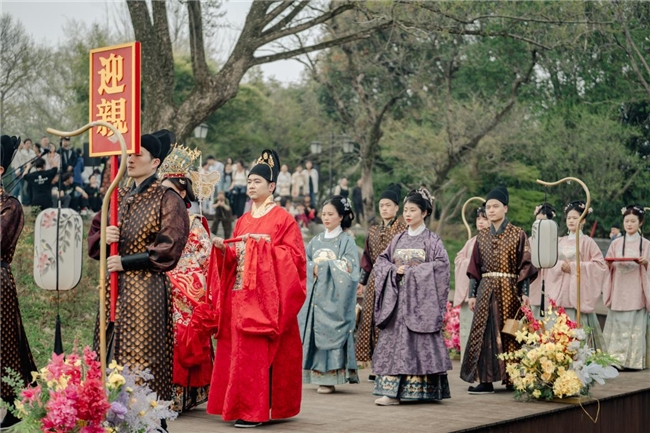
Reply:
x=412, y=286
x=327, y=318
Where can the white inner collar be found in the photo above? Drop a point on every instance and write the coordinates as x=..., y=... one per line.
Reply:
x=334, y=233
x=417, y=231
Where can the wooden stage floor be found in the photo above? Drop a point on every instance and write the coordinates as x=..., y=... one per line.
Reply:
x=352, y=409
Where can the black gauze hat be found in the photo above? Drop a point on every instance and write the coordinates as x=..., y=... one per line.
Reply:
x=152, y=144
x=9, y=145
x=499, y=193
x=267, y=165
x=166, y=139
x=393, y=192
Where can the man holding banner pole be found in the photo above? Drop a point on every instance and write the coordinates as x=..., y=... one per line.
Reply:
x=151, y=231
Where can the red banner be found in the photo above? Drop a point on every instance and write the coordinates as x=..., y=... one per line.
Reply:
x=115, y=98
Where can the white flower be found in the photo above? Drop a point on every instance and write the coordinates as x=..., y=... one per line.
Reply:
x=573, y=346
x=579, y=333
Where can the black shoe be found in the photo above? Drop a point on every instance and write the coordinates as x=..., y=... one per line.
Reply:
x=240, y=423
x=9, y=420
x=371, y=378
x=510, y=387
x=483, y=388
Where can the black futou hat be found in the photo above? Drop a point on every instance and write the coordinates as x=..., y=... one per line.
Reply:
x=393, y=192
x=166, y=138
x=499, y=193
x=267, y=165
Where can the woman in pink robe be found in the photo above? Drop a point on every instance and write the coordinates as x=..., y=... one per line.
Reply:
x=461, y=280
x=542, y=212
x=628, y=297
x=562, y=282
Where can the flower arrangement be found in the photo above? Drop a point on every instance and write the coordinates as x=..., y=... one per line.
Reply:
x=67, y=396
x=451, y=330
x=555, y=363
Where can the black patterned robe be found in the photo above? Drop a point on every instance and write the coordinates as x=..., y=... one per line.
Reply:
x=14, y=348
x=153, y=220
x=498, y=298
x=378, y=239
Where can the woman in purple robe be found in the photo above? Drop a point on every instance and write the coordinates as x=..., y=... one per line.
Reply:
x=412, y=287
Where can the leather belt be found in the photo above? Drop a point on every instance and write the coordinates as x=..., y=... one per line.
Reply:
x=499, y=275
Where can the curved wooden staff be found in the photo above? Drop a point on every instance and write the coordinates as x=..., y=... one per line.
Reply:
x=104, y=219
x=462, y=212
x=580, y=221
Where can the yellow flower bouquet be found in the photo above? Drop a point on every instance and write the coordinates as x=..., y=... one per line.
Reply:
x=554, y=360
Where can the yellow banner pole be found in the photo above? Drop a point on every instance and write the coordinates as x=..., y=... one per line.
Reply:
x=462, y=212
x=104, y=220
x=580, y=221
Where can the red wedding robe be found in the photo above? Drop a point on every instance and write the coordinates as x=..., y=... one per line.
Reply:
x=258, y=368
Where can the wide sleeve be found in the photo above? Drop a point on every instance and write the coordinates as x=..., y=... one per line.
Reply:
x=474, y=268
x=334, y=297
x=303, y=314
x=645, y=275
x=594, y=276
x=366, y=262
x=461, y=280
x=290, y=262
x=11, y=223
x=221, y=274
x=386, y=285
x=167, y=247
x=527, y=272
x=94, y=236
x=427, y=289
x=200, y=243
x=274, y=286
x=612, y=252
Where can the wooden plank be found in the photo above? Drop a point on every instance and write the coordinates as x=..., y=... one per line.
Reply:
x=351, y=409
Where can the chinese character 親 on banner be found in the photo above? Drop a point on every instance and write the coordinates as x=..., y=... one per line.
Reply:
x=115, y=97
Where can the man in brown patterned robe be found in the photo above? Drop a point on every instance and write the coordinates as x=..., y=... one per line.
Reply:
x=153, y=229
x=379, y=237
x=500, y=272
x=14, y=348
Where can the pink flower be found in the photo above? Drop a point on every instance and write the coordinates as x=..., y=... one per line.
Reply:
x=92, y=429
x=92, y=403
x=42, y=262
x=56, y=367
x=31, y=394
x=94, y=366
x=48, y=219
x=61, y=415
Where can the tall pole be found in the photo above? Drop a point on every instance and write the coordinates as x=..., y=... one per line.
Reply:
x=331, y=157
x=469, y=230
x=104, y=220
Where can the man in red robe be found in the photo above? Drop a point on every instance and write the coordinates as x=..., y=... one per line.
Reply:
x=257, y=374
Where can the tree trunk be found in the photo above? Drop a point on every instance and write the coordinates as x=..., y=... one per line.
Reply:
x=211, y=91
x=367, y=189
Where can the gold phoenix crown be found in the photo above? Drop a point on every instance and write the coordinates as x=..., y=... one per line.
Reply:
x=178, y=162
